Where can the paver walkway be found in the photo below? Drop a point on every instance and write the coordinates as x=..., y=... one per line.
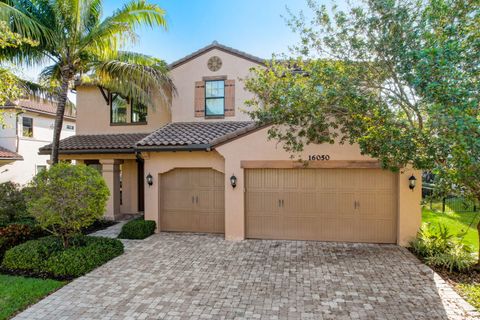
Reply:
x=110, y=232
x=181, y=276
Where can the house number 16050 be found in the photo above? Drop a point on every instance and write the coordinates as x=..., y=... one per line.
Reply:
x=318, y=157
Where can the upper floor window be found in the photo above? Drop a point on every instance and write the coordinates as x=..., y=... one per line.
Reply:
x=27, y=127
x=118, y=110
x=70, y=127
x=139, y=112
x=215, y=98
x=121, y=108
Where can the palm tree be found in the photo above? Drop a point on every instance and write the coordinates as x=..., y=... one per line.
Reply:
x=80, y=45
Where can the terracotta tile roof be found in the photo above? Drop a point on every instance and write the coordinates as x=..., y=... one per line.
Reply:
x=216, y=45
x=194, y=135
x=9, y=155
x=99, y=143
x=45, y=106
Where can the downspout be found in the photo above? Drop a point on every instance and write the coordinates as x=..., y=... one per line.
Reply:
x=17, y=135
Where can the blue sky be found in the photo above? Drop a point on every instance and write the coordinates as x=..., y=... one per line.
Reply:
x=253, y=26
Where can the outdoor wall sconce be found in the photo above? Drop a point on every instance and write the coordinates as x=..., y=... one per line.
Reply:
x=233, y=181
x=149, y=180
x=412, y=182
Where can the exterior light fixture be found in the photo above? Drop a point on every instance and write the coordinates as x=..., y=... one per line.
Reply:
x=149, y=180
x=412, y=182
x=233, y=181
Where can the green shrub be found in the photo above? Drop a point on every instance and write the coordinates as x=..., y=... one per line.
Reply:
x=137, y=229
x=441, y=249
x=15, y=234
x=48, y=257
x=12, y=203
x=67, y=198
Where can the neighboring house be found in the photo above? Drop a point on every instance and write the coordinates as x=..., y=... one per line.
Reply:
x=28, y=125
x=7, y=156
x=202, y=165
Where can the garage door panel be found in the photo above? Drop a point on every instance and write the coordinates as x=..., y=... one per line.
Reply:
x=178, y=200
x=326, y=203
x=345, y=204
x=355, y=205
x=192, y=200
x=264, y=227
x=177, y=220
x=263, y=203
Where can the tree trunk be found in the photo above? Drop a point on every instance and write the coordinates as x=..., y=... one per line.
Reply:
x=65, y=241
x=62, y=101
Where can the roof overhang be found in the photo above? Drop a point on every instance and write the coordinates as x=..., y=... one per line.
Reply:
x=220, y=47
x=87, y=151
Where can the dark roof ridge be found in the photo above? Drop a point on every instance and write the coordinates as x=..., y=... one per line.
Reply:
x=216, y=45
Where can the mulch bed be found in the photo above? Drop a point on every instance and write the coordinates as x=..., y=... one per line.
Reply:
x=98, y=225
x=468, y=277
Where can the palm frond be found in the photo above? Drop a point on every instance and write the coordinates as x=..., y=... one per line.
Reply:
x=22, y=19
x=144, y=73
x=138, y=13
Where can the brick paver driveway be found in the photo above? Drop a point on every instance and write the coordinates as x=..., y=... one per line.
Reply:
x=182, y=276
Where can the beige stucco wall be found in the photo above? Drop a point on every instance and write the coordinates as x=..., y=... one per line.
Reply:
x=227, y=158
x=157, y=163
x=409, y=206
x=93, y=115
x=185, y=75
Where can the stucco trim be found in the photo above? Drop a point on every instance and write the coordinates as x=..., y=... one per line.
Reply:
x=218, y=46
x=292, y=164
x=87, y=151
x=196, y=147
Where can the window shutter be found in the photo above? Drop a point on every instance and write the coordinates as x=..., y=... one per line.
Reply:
x=229, y=98
x=199, y=98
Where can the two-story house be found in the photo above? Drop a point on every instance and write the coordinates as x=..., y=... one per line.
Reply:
x=27, y=126
x=201, y=165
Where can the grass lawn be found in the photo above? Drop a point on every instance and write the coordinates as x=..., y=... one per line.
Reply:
x=471, y=293
x=457, y=222
x=17, y=293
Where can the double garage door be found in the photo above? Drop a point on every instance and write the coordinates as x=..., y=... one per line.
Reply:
x=355, y=205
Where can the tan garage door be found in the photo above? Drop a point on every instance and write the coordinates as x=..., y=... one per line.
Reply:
x=192, y=200
x=355, y=205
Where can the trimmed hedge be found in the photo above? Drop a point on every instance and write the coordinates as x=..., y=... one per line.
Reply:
x=137, y=229
x=48, y=257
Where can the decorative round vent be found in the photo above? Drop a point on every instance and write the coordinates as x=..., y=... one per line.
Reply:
x=214, y=63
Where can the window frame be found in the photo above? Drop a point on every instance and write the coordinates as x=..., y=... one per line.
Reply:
x=129, y=104
x=111, y=98
x=214, y=98
x=131, y=112
x=23, y=127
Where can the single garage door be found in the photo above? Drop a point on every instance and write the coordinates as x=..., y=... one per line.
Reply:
x=354, y=205
x=192, y=200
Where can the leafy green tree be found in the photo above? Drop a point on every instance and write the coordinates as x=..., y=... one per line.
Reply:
x=66, y=198
x=11, y=88
x=12, y=203
x=400, y=78
x=72, y=35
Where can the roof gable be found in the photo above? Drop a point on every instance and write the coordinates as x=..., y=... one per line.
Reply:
x=218, y=46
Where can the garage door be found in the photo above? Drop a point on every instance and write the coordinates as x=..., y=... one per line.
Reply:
x=192, y=200
x=354, y=205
